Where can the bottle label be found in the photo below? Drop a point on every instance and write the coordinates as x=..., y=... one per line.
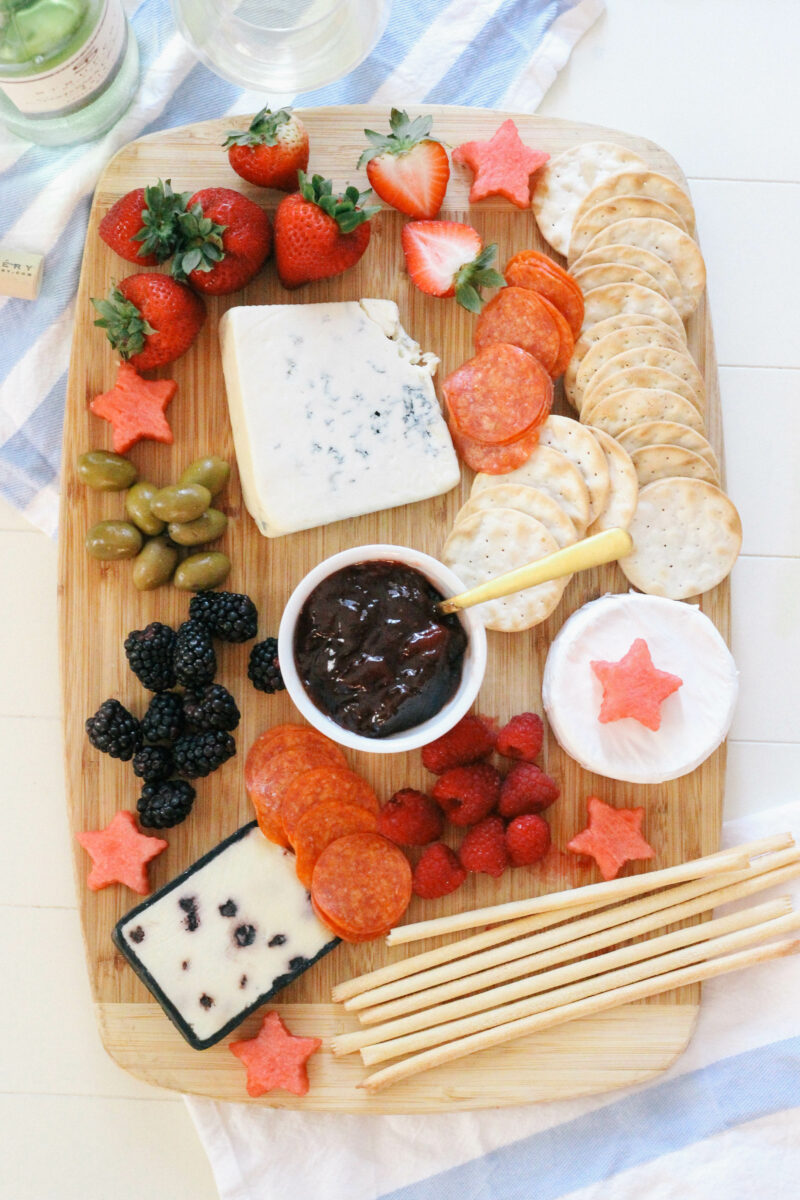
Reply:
x=78, y=79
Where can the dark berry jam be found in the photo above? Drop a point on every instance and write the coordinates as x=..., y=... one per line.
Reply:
x=373, y=651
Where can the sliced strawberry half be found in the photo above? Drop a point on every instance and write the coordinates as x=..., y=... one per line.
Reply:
x=407, y=167
x=445, y=258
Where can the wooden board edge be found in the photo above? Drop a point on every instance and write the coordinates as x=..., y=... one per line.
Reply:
x=619, y=1048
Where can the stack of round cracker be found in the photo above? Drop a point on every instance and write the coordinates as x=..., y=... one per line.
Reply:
x=577, y=481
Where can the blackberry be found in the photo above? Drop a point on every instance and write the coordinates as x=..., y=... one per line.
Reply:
x=212, y=708
x=163, y=721
x=114, y=730
x=230, y=616
x=164, y=804
x=150, y=654
x=263, y=669
x=195, y=660
x=153, y=763
x=201, y=753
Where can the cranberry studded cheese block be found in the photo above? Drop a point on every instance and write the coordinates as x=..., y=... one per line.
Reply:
x=694, y=712
x=334, y=413
x=223, y=937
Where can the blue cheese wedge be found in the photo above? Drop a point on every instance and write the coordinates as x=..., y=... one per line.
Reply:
x=334, y=413
x=225, y=936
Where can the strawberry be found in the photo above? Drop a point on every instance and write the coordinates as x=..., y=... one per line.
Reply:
x=407, y=168
x=224, y=241
x=142, y=225
x=150, y=319
x=445, y=258
x=271, y=150
x=317, y=234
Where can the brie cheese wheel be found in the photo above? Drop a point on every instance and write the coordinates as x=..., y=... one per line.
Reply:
x=334, y=413
x=694, y=720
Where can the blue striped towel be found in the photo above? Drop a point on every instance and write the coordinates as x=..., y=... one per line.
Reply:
x=494, y=53
x=722, y=1124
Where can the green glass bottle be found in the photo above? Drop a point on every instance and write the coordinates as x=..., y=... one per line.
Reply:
x=68, y=68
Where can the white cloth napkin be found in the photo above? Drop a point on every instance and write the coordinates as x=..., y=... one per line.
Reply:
x=724, y=1121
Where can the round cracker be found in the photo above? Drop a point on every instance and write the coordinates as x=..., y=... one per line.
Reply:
x=593, y=333
x=492, y=542
x=553, y=472
x=635, y=405
x=636, y=377
x=604, y=302
x=624, y=492
x=562, y=184
x=686, y=536
x=665, y=461
x=628, y=337
x=640, y=183
x=669, y=433
x=604, y=273
x=618, y=208
x=634, y=256
x=668, y=242
x=580, y=447
x=533, y=501
x=678, y=362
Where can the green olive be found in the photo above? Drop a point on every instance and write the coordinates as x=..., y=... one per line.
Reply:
x=206, y=528
x=212, y=472
x=201, y=571
x=106, y=472
x=137, y=506
x=154, y=564
x=180, y=502
x=109, y=540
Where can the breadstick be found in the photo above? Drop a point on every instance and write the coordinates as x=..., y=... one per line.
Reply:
x=580, y=1008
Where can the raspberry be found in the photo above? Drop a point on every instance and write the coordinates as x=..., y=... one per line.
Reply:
x=527, y=839
x=526, y=789
x=471, y=739
x=468, y=794
x=411, y=818
x=522, y=737
x=484, y=848
x=438, y=873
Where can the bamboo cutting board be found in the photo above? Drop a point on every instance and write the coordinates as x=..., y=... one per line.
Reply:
x=99, y=606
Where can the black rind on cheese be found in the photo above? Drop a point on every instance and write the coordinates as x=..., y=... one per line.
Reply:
x=124, y=946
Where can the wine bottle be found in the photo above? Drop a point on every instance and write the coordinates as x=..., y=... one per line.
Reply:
x=68, y=68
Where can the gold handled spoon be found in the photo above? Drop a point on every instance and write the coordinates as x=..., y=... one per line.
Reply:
x=593, y=551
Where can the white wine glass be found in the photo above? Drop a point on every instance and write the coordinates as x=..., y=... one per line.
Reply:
x=281, y=46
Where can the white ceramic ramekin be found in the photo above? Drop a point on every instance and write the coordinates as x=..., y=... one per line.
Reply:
x=474, y=659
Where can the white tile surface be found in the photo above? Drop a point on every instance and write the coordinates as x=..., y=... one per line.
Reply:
x=33, y=817
x=761, y=419
x=716, y=84
x=766, y=646
x=747, y=231
x=90, y=1148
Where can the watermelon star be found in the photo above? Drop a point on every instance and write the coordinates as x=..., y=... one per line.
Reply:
x=135, y=408
x=633, y=687
x=502, y=166
x=275, y=1058
x=120, y=854
x=612, y=838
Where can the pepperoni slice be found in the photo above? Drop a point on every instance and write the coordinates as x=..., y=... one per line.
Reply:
x=266, y=789
x=567, y=341
x=518, y=317
x=538, y=258
x=323, y=783
x=496, y=460
x=323, y=824
x=285, y=737
x=551, y=282
x=347, y=935
x=499, y=394
x=362, y=882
